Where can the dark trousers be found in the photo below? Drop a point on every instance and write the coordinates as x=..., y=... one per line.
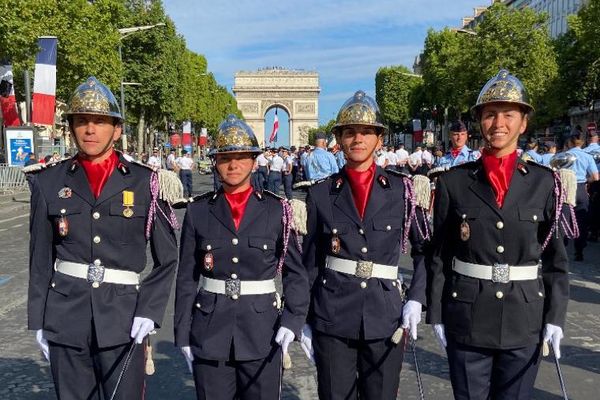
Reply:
x=349, y=369
x=479, y=373
x=243, y=380
x=582, y=204
x=263, y=174
x=91, y=373
x=274, y=181
x=186, y=179
x=594, y=190
x=287, y=185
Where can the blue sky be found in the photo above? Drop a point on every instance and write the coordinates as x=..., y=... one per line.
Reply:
x=345, y=41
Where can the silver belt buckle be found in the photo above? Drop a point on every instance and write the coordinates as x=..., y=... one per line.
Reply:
x=233, y=288
x=364, y=269
x=500, y=273
x=95, y=273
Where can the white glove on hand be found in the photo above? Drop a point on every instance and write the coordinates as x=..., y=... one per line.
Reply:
x=284, y=337
x=189, y=357
x=438, y=330
x=42, y=343
x=306, y=343
x=411, y=316
x=553, y=334
x=140, y=328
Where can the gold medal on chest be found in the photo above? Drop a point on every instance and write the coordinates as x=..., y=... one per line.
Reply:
x=335, y=242
x=63, y=225
x=128, y=203
x=465, y=229
x=209, y=261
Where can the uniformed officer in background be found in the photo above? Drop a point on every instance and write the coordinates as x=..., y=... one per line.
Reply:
x=320, y=163
x=229, y=320
x=490, y=298
x=359, y=222
x=92, y=217
x=459, y=153
x=593, y=149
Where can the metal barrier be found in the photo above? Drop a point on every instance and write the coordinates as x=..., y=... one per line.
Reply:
x=12, y=179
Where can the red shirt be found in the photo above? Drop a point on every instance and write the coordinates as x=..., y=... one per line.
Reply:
x=97, y=174
x=360, y=184
x=499, y=172
x=237, y=204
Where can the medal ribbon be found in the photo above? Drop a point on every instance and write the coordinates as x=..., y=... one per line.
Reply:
x=98, y=174
x=237, y=203
x=499, y=171
x=361, y=183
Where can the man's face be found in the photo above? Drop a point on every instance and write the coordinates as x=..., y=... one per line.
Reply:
x=359, y=142
x=94, y=134
x=234, y=168
x=501, y=126
x=458, y=139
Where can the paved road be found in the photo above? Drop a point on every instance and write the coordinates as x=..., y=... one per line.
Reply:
x=25, y=376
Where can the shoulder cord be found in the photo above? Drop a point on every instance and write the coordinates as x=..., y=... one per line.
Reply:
x=410, y=214
x=571, y=230
x=154, y=191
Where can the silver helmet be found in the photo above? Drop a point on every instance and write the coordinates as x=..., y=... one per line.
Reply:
x=563, y=160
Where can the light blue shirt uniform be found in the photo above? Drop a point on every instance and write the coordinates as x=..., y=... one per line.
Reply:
x=340, y=158
x=320, y=164
x=546, y=158
x=584, y=166
x=592, y=147
x=535, y=156
x=465, y=155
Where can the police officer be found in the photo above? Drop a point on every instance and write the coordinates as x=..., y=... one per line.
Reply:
x=550, y=151
x=233, y=244
x=186, y=165
x=459, y=153
x=263, y=169
x=287, y=172
x=490, y=298
x=357, y=227
x=320, y=163
x=92, y=217
x=593, y=149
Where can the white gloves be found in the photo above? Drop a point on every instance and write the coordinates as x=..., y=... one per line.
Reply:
x=284, y=337
x=438, y=330
x=411, y=316
x=42, y=343
x=306, y=343
x=553, y=334
x=189, y=357
x=140, y=328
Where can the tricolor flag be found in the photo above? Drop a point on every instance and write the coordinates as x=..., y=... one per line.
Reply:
x=273, y=136
x=10, y=114
x=44, y=84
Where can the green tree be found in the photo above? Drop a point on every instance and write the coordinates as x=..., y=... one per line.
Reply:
x=394, y=88
x=326, y=128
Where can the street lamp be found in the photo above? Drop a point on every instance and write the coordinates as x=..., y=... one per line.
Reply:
x=124, y=33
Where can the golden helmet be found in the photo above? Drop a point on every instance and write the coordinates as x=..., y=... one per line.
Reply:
x=92, y=97
x=235, y=136
x=502, y=88
x=360, y=109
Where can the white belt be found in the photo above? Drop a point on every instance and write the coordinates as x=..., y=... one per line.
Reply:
x=96, y=273
x=501, y=273
x=362, y=269
x=235, y=288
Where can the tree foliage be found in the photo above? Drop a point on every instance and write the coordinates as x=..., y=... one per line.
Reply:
x=394, y=88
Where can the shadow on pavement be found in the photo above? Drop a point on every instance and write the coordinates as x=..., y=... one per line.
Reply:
x=25, y=380
x=584, y=294
x=580, y=357
x=172, y=380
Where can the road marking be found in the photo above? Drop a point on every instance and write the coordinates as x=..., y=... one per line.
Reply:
x=13, y=218
x=4, y=279
x=17, y=226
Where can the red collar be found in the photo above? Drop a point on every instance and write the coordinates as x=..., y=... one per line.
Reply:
x=237, y=203
x=456, y=152
x=98, y=174
x=499, y=172
x=361, y=183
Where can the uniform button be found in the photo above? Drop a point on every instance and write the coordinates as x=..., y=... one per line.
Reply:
x=233, y=276
x=235, y=260
x=235, y=297
x=96, y=285
x=499, y=294
x=274, y=304
x=97, y=262
x=361, y=231
x=388, y=228
x=265, y=246
x=541, y=294
x=464, y=216
x=96, y=239
x=198, y=305
x=393, y=283
x=500, y=249
x=324, y=281
x=499, y=224
x=62, y=211
x=137, y=287
x=53, y=284
x=454, y=294
x=208, y=247
x=96, y=215
x=234, y=241
x=535, y=217
x=363, y=285
x=334, y=231
x=364, y=250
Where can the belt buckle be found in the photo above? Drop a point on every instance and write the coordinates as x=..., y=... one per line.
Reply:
x=364, y=269
x=233, y=288
x=95, y=273
x=500, y=273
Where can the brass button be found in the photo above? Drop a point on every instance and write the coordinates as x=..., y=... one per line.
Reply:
x=393, y=283
x=264, y=247
x=208, y=247
x=541, y=294
x=454, y=294
x=324, y=281
x=500, y=249
x=235, y=297
x=361, y=231
x=499, y=294
x=53, y=284
x=363, y=284
x=235, y=260
x=388, y=228
x=96, y=239
x=364, y=250
x=198, y=305
x=499, y=224
x=97, y=262
x=62, y=211
x=535, y=217
x=235, y=241
x=96, y=215
x=96, y=285
x=233, y=276
x=334, y=231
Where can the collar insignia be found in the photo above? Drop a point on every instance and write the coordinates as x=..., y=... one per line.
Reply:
x=522, y=169
x=383, y=181
x=123, y=168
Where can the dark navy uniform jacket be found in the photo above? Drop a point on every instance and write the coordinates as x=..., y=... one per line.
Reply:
x=343, y=304
x=64, y=306
x=480, y=312
x=212, y=323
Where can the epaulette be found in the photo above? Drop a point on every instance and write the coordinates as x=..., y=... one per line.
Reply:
x=437, y=171
x=171, y=188
x=303, y=185
x=467, y=165
x=422, y=190
x=398, y=173
x=183, y=202
x=41, y=166
x=300, y=216
x=531, y=162
x=268, y=192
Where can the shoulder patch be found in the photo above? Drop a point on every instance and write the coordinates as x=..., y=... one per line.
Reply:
x=182, y=202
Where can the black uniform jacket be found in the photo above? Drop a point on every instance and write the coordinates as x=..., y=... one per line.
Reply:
x=211, y=323
x=340, y=304
x=481, y=312
x=64, y=306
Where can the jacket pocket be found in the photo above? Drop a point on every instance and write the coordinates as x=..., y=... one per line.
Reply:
x=458, y=308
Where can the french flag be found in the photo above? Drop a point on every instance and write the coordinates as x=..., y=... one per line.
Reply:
x=44, y=84
x=273, y=136
x=8, y=101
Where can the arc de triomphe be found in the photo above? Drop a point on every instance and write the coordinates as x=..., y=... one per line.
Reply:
x=297, y=92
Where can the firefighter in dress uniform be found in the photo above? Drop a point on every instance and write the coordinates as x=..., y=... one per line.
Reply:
x=498, y=276
x=359, y=221
x=230, y=323
x=92, y=217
